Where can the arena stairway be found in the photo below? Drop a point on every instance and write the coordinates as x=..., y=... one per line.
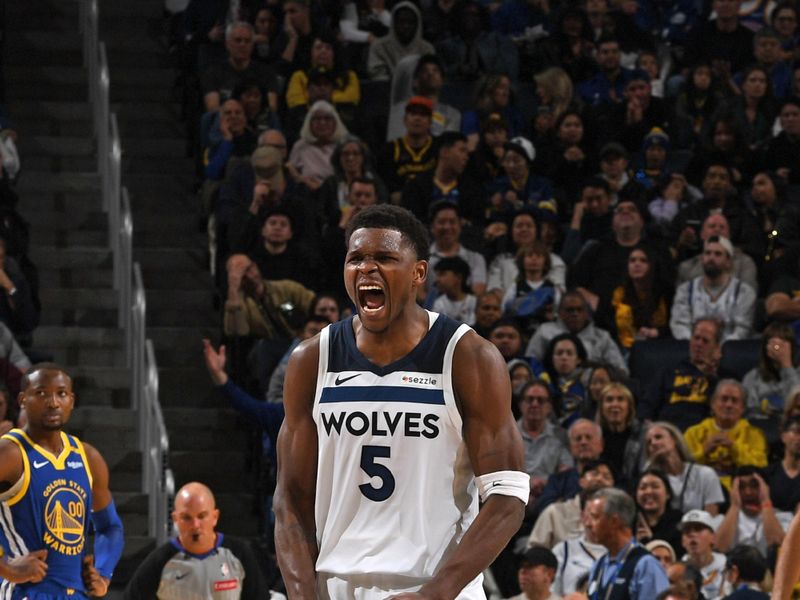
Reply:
x=47, y=97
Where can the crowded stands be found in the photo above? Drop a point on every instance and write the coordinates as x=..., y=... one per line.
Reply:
x=612, y=189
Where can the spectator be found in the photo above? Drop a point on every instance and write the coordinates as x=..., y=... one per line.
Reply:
x=310, y=158
x=327, y=305
x=778, y=217
x=8, y=415
x=585, y=444
x=265, y=309
x=524, y=230
x=784, y=20
x=438, y=19
x=237, y=140
x=744, y=268
x=573, y=317
x=537, y=570
x=532, y=298
x=751, y=518
x=427, y=81
x=507, y=338
x=656, y=519
x=554, y=91
x=486, y=158
x=17, y=306
x=488, y=311
x=681, y=394
x=665, y=554
x=773, y=379
x=544, y=443
x=602, y=373
x=611, y=513
x=520, y=373
x=207, y=561
x=783, y=297
x=781, y=476
x=717, y=293
x=253, y=97
x=640, y=306
x=602, y=263
x=607, y=86
x=494, y=96
x=745, y=569
x=754, y=109
x=564, y=520
x=363, y=23
x=570, y=45
x=474, y=48
x=404, y=39
x=696, y=106
x=446, y=232
x=725, y=146
x=519, y=187
x=448, y=182
x=698, y=538
x=769, y=56
x=693, y=486
x=412, y=154
x=454, y=299
x=591, y=219
x=622, y=432
x=265, y=28
x=220, y=80
x=351, y=160
x=726, y=439
x=724, y=42
x=327, y=79
x=614, y=162
x=566, y=155
x=292, y=48
x=563, y=359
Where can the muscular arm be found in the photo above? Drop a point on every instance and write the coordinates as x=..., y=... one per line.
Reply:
x=787, y=571
x=10, y=464
x=109, y=537
x=295, y=528
x=483, y=389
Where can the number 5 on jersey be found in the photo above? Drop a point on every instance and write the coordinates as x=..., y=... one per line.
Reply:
x=374, y=469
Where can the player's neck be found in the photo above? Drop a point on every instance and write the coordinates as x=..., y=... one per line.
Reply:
x=49, y=440
x=397, y=340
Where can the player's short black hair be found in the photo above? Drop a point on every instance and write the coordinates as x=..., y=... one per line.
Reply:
x=396, y=218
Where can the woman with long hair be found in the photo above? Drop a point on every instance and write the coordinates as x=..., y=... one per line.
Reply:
x=532, y=298
x=656, y=519
x=310, y=158
x=754, y=109
x=694, y=486
x=768, y=385
x=622, y=443
x=494, y=96
x=563, y=362
x=640, y=306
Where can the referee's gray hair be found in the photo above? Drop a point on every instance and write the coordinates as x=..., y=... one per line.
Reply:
x=595, y=426
x=617, y=503
x=235, y=25
x=737, y=384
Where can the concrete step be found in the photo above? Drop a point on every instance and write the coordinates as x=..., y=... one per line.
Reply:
x=71, y=111
x=62, y=146
x=64, y=203
x=221, y=470
x=59, y=164
x=86, y=337
x=66, y=277
x=75, y=257
x=78, y=298
x=77, y=75
x=44, y=182
x=128, y=128
x=83, y=318
x=62, y=239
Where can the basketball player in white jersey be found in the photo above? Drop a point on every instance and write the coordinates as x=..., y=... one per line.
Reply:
x=397, y=420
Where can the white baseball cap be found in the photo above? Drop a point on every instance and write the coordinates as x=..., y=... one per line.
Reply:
x=697, y=516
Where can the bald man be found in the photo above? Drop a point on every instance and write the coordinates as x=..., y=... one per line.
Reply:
x=200, y=562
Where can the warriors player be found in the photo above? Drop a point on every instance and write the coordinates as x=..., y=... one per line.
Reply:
x=49, y=483
x=397, y=419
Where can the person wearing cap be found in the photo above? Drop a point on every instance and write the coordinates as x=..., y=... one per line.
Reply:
x=726, y=440
x=404, y=39
x=220, y=79
x=628, y=571
x=744, y=572
x=427, y=81
x=449, y=181
x=717, y=293
x=782, y=150
x=614, y=161
x=698, y=537
x=751, y=518
x=412, y=154
x=537, y=570
x=744, y=267
x=519, y=186
x=654, y=172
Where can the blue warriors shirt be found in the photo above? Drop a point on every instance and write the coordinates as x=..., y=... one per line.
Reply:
x=48, y=509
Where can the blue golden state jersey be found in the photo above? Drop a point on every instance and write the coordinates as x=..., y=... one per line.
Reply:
x=48, y=508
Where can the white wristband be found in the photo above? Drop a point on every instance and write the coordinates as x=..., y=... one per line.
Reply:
x=505, y=483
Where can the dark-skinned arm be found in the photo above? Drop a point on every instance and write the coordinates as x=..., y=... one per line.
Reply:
x=295, y=527
x=483, y=389
x=108, y=528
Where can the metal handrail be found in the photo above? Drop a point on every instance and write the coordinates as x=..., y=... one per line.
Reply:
x=157, y=478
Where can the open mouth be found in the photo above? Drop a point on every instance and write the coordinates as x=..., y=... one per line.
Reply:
x=371, y=298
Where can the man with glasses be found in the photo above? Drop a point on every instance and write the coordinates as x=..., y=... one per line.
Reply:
x=573, y=317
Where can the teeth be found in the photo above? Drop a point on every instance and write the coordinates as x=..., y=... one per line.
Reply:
x=365, y=288
x=371, y=310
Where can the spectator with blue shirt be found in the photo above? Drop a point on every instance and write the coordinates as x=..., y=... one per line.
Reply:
x=628, y=571
x=608, y=84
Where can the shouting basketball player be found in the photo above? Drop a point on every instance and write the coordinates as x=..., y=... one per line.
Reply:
x=50, y=485
x=397, y=421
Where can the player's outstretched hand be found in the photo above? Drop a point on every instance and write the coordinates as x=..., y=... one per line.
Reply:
x=30, y=568
x=96, y=584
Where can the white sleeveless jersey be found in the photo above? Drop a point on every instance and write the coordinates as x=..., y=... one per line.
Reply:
x=395, y=487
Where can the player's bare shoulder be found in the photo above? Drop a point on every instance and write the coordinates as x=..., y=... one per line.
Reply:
x=301, y=375
x=479, y=372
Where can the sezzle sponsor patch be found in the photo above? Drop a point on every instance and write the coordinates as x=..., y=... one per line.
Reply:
x=223, y=586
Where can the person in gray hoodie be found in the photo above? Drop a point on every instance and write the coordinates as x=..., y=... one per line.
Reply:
x=404, y=39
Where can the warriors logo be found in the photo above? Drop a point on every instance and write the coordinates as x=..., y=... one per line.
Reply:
x=65, y=517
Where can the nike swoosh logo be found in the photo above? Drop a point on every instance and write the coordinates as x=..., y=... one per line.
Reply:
x=181, y=576
x=37, y=465
x=340, y=380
